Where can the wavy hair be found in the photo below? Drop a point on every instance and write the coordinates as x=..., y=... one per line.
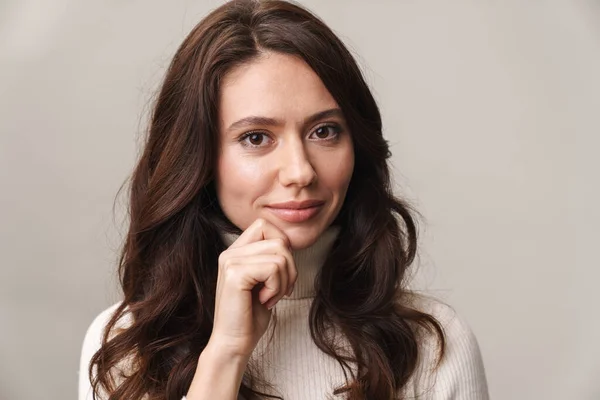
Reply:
x=168, y=263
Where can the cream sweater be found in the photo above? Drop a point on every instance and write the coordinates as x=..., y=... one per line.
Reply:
x=300, y=371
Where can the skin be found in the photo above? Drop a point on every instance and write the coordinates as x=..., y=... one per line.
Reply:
x=294, y=160
x=293, y=157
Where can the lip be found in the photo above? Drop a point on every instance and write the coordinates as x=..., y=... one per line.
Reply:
x=297, y=205
x=296, y=211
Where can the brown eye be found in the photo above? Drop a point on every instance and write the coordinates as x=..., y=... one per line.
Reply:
x=326, y=132
x=322, y=132
x=255, y=139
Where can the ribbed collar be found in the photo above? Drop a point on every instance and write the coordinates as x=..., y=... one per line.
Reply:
x=308, y=261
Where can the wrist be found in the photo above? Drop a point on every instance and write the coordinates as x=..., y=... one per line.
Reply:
x=218, y=374
x=224, y=347
x=217, y=353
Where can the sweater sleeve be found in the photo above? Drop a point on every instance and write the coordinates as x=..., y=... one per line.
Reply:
x=91, y=344
x=460, y=374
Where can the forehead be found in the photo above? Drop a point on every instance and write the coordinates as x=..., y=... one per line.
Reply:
x=273, y=85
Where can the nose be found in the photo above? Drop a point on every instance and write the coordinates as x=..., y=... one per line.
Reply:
x=295, y=166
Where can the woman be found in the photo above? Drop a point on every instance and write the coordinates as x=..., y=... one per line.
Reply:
x=263, y=190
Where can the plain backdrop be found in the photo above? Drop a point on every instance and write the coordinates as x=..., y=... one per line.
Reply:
x=491, y=108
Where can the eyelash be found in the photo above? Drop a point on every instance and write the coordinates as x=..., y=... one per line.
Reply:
x=336, y=130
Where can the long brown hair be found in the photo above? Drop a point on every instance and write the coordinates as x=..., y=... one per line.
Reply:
x=168, y=265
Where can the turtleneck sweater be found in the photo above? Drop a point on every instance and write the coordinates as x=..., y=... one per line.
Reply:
x=296, y=369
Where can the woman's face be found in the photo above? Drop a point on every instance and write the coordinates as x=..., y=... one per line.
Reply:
x=285, y=151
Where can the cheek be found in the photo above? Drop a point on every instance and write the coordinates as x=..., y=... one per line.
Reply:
x=336, y=172
x=239, y=179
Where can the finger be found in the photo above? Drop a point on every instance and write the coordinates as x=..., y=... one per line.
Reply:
x=271, y=246
x=240, y=275
x=280, y=261
x=259, y=230
x=273, y=288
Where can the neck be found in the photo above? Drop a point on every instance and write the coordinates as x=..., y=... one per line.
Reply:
x=308, y=261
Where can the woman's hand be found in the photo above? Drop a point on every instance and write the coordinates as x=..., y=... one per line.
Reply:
x=255, y=272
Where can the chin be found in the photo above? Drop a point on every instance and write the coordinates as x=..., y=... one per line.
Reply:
x=302, y=237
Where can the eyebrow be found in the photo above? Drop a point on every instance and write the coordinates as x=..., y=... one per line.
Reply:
x=265, y=121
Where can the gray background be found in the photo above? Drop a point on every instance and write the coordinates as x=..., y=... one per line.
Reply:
x=489, y=106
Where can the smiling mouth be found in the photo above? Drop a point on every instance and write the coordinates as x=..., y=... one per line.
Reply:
x=296, y=211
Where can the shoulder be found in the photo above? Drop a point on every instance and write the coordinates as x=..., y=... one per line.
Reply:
x=460, y=373
x=455, y=327
x=91, y=344
x=95, y=331
x=100, y=320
